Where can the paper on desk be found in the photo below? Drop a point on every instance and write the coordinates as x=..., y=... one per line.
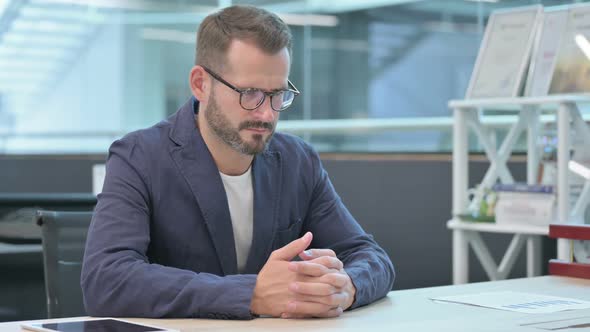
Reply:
x=517, y=301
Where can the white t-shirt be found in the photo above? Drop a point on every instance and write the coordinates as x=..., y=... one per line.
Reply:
x=240, y=197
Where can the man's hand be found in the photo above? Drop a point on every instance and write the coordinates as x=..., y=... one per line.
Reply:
x=321, y=282
x=271, y=293
x=315, y=287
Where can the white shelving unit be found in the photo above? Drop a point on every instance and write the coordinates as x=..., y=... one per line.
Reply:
x=466, y=234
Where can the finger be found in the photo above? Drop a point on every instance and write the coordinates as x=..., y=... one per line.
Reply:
x=335, y=312
x=292, y=249
x=287, y=315
x=335, y=300
x=310, y=269
x=329, y=262
x=337, y=280
x=315, y=253
x=313, y=288
x=307, y=308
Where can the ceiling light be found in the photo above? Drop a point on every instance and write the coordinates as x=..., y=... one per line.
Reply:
x=48, y=26
x=26, y=39
x=20, y=87
x=169, y=35
x=338, y=6
x=317, y=20
x=126, y=4
x=20, y=51
x=22, y=64
x=70, y=14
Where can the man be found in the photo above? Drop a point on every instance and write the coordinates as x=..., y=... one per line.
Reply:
x=203, y=214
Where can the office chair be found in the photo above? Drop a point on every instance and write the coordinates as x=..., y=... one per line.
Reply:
x=64, y=239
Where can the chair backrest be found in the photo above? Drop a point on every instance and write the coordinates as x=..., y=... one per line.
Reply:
x=64, y=239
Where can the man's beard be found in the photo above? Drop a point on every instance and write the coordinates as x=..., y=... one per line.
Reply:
x=221, y=126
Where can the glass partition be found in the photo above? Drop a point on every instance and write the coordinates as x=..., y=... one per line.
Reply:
x=77, y=74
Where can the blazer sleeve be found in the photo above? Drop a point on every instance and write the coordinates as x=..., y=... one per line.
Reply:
x=367, y=264
x=118, y=279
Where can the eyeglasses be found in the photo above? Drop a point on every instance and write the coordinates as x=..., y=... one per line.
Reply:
x=252, y=98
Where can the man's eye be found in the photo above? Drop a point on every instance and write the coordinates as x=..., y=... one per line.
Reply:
x=252, y=93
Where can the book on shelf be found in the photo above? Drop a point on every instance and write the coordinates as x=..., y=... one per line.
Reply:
x=523, y=188
x=531, y=205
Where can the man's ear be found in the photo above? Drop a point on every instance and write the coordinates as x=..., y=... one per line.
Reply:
x=199, y=84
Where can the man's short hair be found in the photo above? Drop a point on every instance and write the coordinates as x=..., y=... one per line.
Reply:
x=247, y=23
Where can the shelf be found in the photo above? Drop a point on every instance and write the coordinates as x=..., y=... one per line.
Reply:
x=569, y=269
x=469, y=115
x=458, y=224
x=545, y=100
x=570, y=231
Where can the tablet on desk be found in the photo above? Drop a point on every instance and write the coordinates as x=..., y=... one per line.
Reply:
x=94, y=325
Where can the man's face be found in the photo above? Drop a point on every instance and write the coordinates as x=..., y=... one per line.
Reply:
x=245, y=131
x=222, y=126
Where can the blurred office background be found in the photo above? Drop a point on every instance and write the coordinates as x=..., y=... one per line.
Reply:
x=77, y=74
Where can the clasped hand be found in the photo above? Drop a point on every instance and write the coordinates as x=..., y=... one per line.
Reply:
x=317, y=286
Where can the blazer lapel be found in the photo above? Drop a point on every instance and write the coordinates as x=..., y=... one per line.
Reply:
x=266, y=175
x=193, y=159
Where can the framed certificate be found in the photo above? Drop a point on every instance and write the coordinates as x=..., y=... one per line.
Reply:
x=547, y=41
x=504, y=53
x=572, y=69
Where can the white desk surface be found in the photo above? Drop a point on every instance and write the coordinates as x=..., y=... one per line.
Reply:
x=409, y=310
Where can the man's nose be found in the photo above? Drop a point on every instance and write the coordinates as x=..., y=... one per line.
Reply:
x=265, y=112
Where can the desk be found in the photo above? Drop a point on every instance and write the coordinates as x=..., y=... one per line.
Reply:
x=408, y=310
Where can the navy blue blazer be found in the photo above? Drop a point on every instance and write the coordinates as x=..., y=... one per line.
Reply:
x=161, y=243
